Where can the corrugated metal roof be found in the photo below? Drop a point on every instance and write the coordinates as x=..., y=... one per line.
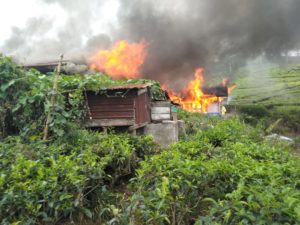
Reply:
x=46, y=67
x=44, y=64
x=128, y=86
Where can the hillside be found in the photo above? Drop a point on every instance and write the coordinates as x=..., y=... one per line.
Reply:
x=269, y=96
x=270, y=87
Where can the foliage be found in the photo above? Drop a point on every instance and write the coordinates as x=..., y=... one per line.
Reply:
x=290, y=120
x=196, y=121
x=11, y=86
x=25, y=99
x=285, y=118
x=222, y=172
x=69, y=178
x=240, y=180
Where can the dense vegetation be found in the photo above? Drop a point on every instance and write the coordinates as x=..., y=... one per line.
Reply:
x=25, y=99
x=222, y=172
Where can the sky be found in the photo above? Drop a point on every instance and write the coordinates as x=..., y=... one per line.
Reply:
x=16, y=14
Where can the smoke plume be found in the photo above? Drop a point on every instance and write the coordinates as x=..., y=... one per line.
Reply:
x=44, y=40
x=187, y=34
x=181, y=34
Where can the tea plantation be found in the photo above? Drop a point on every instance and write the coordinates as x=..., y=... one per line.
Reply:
x=222, y=172
x=270, y=97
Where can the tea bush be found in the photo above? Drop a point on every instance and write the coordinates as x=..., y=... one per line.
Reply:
x=241, y=180
x=67, y=179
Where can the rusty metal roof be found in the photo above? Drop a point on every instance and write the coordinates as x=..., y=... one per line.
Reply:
x=128, y=86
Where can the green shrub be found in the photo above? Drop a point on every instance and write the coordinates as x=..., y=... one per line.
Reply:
x=257, y=111
x=241, y=180
x=222, y=172
x=66, y=179
x=290, y=120
x=196, y=121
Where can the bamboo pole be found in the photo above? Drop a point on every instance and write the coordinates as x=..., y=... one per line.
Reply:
x=53, y=98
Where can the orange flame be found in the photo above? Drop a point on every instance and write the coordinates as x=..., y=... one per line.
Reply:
x=231, y=88
x=225, y=83
x=122, y=60
x=192, y=97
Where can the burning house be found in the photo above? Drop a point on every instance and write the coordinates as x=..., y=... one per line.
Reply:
x=132, y=106
x=221, y=94
x=198, y=98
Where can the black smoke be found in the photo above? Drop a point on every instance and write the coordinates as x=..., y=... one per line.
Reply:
x=181, y=34
x=186, y=34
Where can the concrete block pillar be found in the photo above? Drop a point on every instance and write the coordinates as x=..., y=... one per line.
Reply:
x=164, y=133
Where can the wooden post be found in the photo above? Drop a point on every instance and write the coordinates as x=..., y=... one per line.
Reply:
x=53, y=98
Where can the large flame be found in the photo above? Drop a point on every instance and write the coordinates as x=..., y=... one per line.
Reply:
x=192, y=97
x=122, y=60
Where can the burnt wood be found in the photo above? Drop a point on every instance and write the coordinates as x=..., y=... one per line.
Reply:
x=219, y=91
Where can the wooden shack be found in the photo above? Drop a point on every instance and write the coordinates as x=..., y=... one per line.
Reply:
x=119, y=106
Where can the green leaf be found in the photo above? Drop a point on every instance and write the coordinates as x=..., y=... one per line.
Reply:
x=87, y=212
x=4, y=87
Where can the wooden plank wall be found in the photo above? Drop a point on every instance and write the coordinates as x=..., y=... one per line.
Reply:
x=132, y=109
x=142, y=108
x=160, y=111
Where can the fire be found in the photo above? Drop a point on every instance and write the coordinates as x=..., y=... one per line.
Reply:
x=122, y=60
x=231, y=88
x=192, y=97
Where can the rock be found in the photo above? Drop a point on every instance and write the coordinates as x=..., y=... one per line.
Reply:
x=279, y=137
